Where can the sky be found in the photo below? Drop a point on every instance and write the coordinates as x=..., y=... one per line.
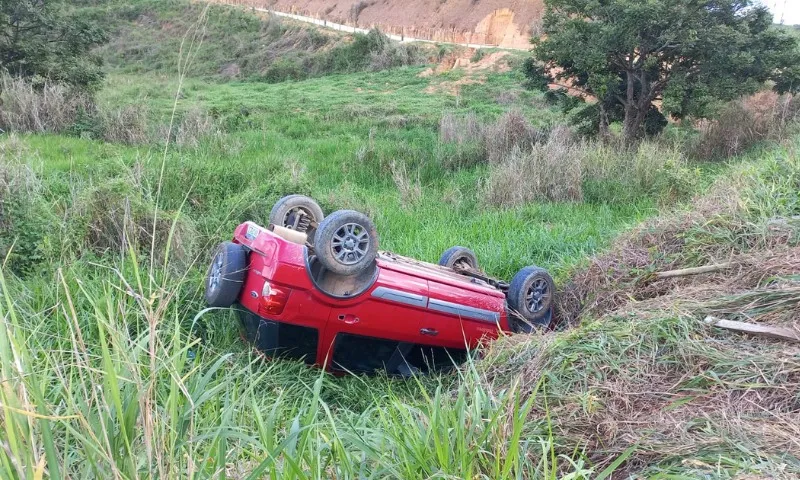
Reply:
x=788, y=9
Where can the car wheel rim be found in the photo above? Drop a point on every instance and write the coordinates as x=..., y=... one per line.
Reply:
x=537, y=296
x=215, y=275
x=350, y=244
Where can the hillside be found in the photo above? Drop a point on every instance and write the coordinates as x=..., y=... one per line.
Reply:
x=506, y=23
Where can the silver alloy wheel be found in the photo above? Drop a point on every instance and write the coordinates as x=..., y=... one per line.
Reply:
x=350, y=243
x=537, y=296
x=215, y=275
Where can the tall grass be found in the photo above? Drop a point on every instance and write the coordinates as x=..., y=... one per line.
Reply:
x=529, y=164
x=764, y=116
x=49, y=107
x=108, y=379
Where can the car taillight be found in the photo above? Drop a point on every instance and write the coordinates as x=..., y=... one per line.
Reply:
x=273, y=299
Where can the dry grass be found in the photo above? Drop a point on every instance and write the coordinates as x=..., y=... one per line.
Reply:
x=652, y=375
x=460, y=129
x=547, y=171
x=763, y=116
x=643, y=373
x=54, y=108
x=128, y=125
x=410, y=188
x=529, y=164
x=510, y=133
x=193, y=127
x=736, y=217
x=47, y=108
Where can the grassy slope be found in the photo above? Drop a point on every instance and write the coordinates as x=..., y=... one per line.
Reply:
x=644, y=374
x=342, y=133
x=175, y=401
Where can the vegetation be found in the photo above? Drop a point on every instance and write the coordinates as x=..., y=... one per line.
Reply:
x=47, y=41
x=686, y=55
x=111, y=204
x=236, y=44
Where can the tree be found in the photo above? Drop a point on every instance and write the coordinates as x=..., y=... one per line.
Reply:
x=683, y=55
x=42, y=38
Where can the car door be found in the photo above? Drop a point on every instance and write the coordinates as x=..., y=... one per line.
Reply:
x=458, y=317
x=388, y=316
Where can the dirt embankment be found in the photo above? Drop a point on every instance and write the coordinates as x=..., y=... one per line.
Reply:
x=506, y=23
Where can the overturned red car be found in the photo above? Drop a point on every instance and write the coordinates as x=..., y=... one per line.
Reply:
x=317, y=288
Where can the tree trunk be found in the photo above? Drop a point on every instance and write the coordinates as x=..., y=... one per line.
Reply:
x=603, y=127
x=630, y=124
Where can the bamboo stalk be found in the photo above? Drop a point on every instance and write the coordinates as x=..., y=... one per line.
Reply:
x=684, y=272
x=769, y=331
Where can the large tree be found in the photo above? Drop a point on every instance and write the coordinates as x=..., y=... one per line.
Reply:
x=43, y=38
x=680, y=55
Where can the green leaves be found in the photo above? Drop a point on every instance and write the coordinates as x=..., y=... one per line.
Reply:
x=685, y=53
x=45, y=39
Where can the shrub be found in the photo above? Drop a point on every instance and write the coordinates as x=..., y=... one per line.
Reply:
x=547, y=171
x=745, y=122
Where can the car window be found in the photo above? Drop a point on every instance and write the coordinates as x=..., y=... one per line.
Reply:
x=281, y=339
x=359, y=354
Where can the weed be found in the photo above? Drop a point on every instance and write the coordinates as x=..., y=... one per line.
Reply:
x=547, y=171
x=50, y=108
x=410, y=189
x=130, y=124
x=511, y=132
x=746, y=122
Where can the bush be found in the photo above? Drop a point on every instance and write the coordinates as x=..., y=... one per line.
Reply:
x=745, y=122
x=547, y=171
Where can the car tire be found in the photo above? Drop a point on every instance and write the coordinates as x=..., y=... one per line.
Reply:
x=346, y=242
x=226, y=275
x=285, y=214
x=530, y=299
x=454, y=255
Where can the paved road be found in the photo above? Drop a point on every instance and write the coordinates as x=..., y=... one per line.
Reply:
x=349, y=29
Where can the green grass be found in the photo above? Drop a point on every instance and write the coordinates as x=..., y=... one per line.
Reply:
x=140, y=382
x=111, y=366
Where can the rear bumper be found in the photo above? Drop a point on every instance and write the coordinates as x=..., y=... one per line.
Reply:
x=278, y=339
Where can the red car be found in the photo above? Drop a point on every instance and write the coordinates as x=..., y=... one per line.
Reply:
x=316, y=288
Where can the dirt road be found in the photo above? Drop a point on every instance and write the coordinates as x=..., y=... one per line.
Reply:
x=351, y=29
